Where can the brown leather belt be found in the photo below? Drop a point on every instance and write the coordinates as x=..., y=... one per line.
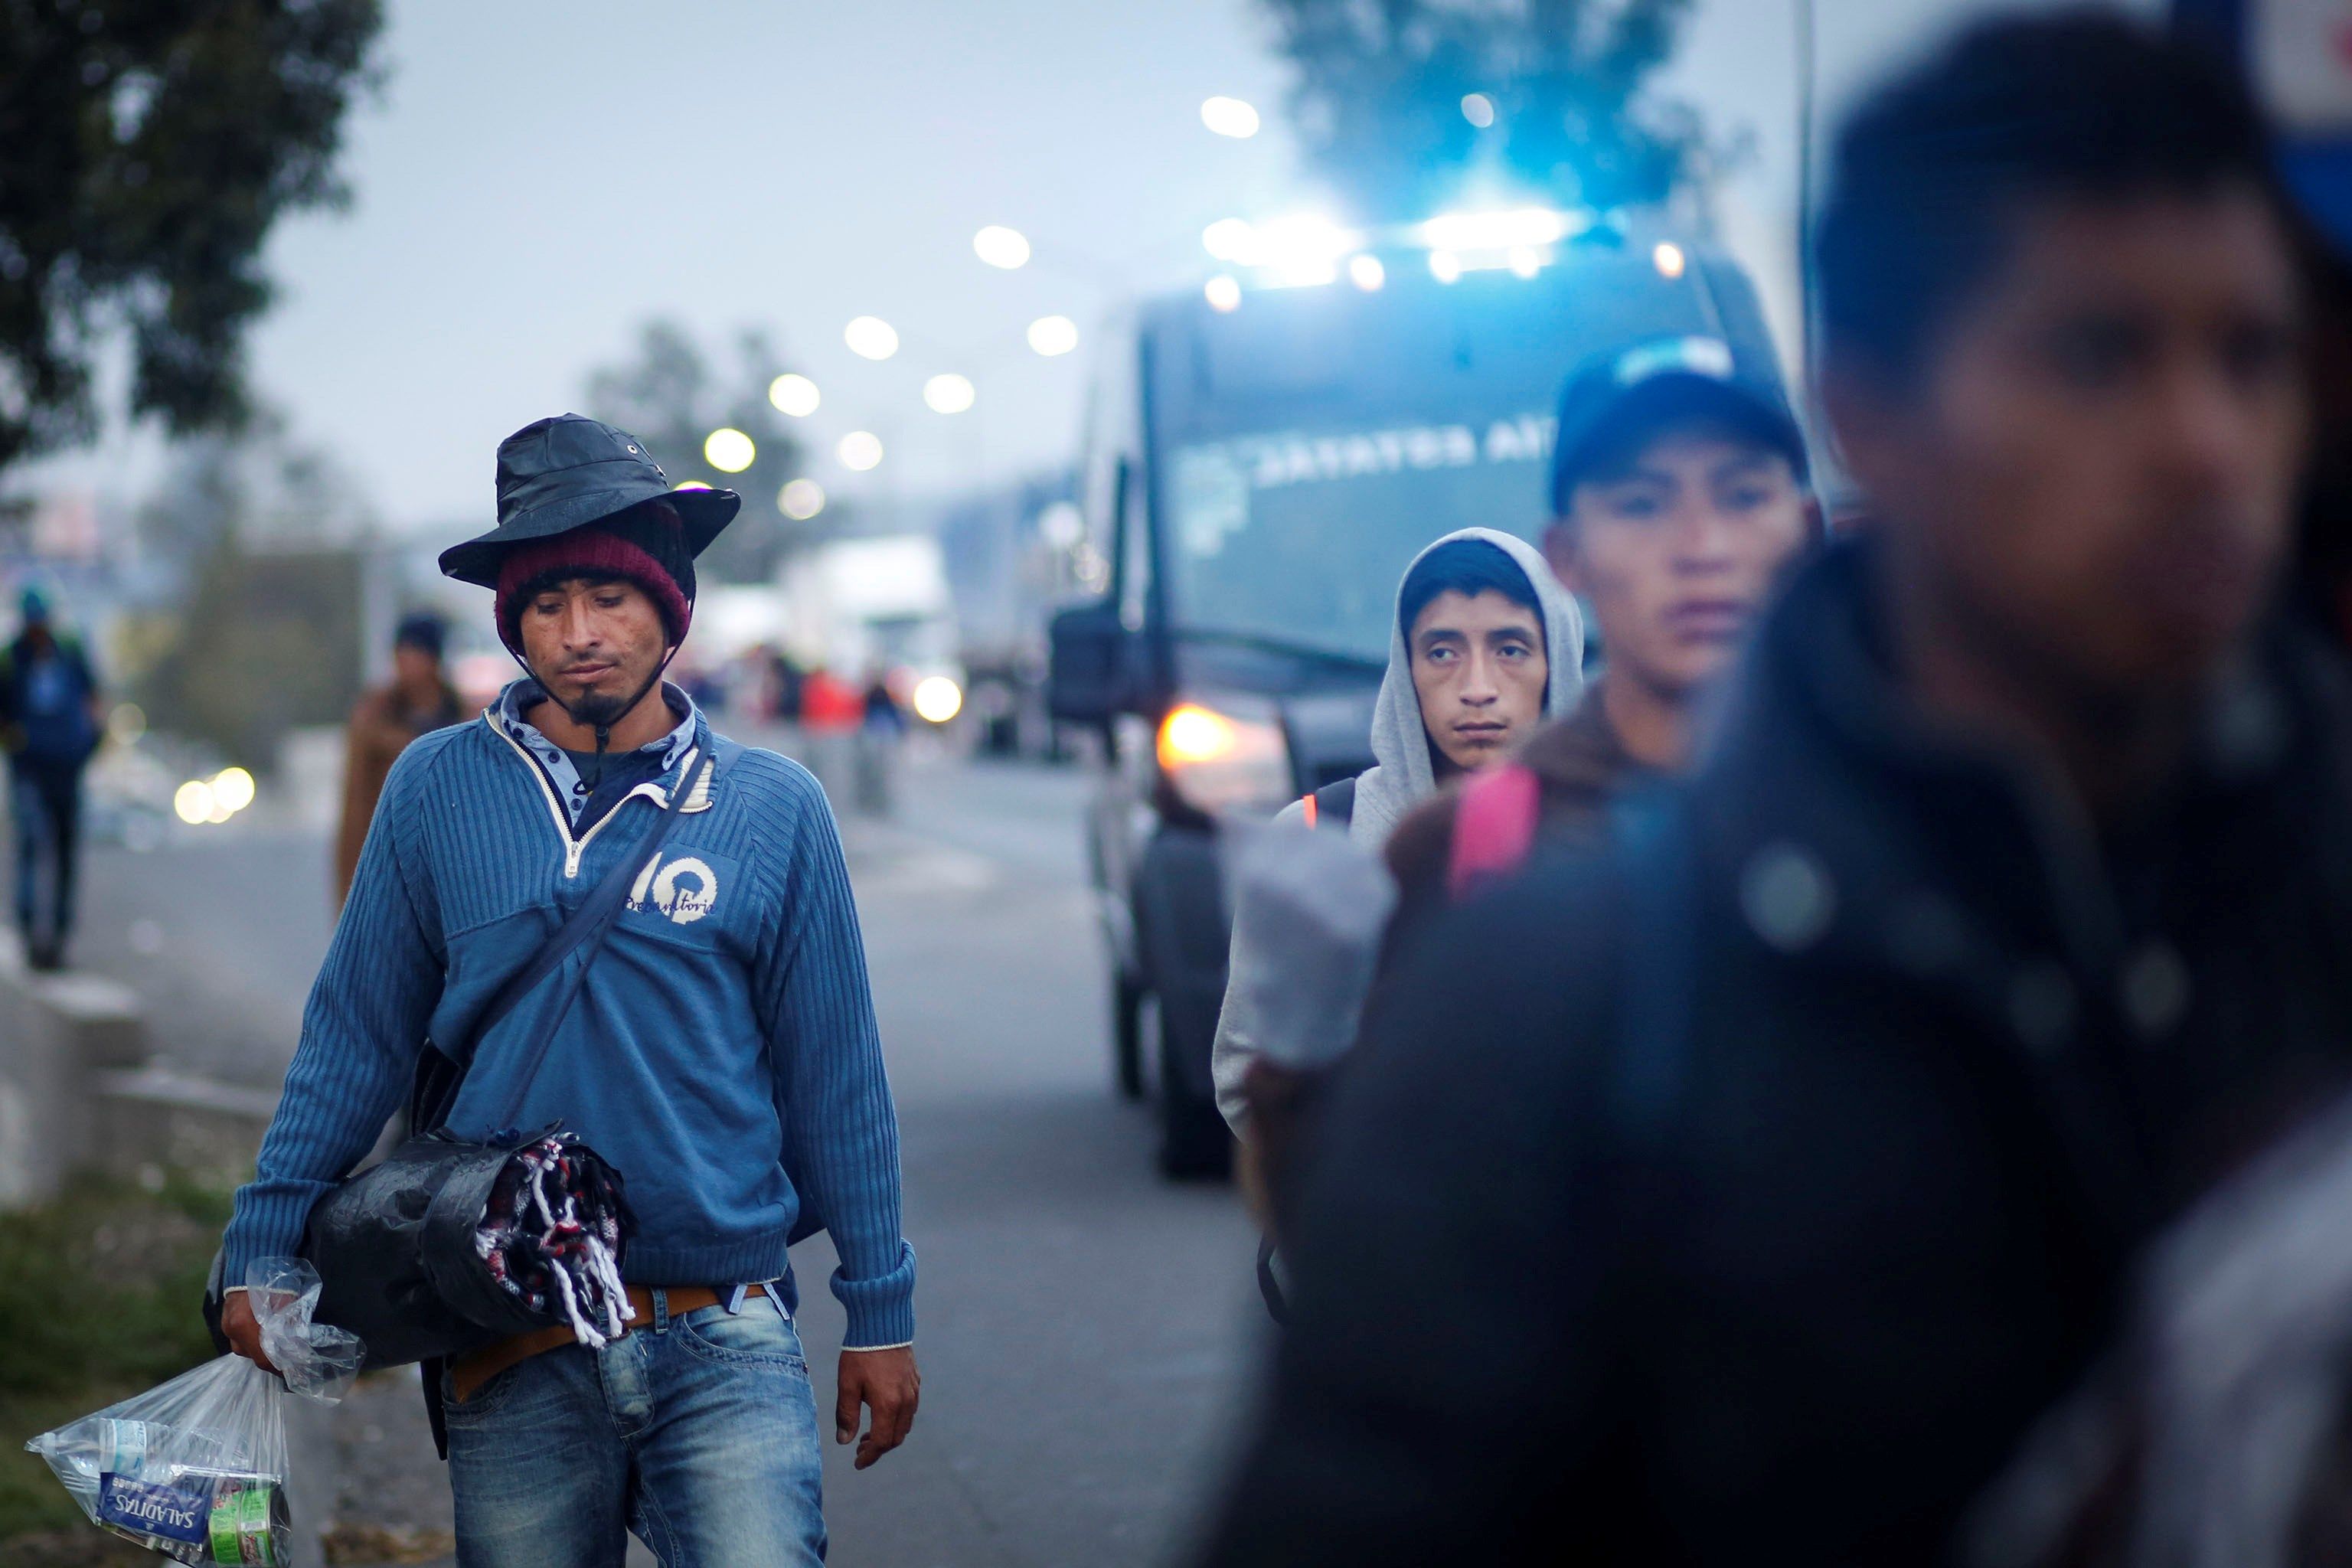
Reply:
x=469, y=1371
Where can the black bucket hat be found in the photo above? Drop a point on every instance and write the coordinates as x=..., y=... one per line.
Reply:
x=556, y=475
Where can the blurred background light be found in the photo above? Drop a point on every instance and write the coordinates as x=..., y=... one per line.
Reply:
x=1062, y=525
x=948, y=394
x=1299, y=249
x=1229, y=117
x=233, y=788
x=1223, y=292
x=800, y=499
x=1052, y=335
x=1001, y=247
x=794, y=394
x=1495, y=230
x=1526, y=260
x=860, y=450
x=871, y=337
x=126, y=724
x=1479, y=109
x=1366, y=272
x=1230, y=239
x=1444, y=266
x=1668, y=260
x=729, y=451
x=192, y=803
x=938, y=698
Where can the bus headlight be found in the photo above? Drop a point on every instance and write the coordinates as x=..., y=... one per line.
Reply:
x=1221, y=761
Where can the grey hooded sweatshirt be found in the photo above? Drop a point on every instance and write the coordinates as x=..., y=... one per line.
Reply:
x=1401, y=776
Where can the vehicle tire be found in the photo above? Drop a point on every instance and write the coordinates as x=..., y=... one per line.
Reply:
x=1126, y=1036
x=1195, y=1144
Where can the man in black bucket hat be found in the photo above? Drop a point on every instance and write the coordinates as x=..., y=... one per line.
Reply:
x=720, y=1050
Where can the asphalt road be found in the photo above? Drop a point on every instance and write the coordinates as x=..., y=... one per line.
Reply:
x=1086, y=1332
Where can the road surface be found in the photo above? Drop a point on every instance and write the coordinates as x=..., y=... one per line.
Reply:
x=1087, y=1331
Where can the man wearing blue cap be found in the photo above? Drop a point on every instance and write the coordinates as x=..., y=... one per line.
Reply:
x=49, y=726
x=719, y=1049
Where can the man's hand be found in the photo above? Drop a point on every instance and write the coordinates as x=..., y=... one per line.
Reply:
x=244, y=1333
x=887, y=1383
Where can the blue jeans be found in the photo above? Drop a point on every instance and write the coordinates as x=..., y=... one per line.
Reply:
x=697, y=1433
x=45, y=799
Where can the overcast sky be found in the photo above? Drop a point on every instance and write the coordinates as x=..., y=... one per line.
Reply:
x=538, y=178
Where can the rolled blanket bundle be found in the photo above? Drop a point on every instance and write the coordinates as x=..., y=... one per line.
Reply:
x=551, y=1236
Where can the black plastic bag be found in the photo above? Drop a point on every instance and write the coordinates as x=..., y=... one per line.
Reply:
x=395, y=1247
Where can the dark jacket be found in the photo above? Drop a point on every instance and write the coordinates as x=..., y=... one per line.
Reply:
x=1580, y=767
x=379, y=729
x=47, y=723
x=1920, y=1062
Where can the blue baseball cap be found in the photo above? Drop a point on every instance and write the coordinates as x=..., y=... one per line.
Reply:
x=1625, y=395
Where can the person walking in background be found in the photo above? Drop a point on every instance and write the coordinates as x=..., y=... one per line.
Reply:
x=720, y=1047
x=1801, y=1142
x=881, y=726
x=417, y=700
x=50, y=724
x=1679, y=493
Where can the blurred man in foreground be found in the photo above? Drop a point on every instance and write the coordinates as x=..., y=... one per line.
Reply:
x=1796, y=1152
x=417, y=700
x=49, y=726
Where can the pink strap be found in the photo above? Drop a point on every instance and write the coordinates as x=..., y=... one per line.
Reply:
x=1493, y=827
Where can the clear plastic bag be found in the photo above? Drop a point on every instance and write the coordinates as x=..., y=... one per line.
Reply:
x=195, y=1468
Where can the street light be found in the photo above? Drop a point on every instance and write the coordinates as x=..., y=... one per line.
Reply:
x=800, y=499
x=1053, y=336
x=1668, y=260
x=1223, y=292
x=860, y=450
x=794, y=394
x=1230, y=117
x=729, y=451
x=1001, y=247
x=871, y=337
x=948, y=394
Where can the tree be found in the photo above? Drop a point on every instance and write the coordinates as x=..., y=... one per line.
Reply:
x=669, y=397
x=1383, y=89
x=146, y=149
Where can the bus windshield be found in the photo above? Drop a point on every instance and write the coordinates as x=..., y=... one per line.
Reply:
x=1300, y=537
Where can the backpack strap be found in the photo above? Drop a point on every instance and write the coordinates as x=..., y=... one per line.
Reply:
x=1336, y=800
x=1493, y=827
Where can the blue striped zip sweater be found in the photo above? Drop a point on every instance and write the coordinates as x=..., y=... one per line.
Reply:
x=721, y=1052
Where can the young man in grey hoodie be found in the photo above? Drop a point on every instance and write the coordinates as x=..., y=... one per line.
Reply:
x=1485, y=646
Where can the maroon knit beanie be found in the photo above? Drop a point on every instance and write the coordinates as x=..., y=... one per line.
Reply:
x=645, y=545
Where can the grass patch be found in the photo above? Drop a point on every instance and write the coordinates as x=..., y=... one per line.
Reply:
x=101, y=1297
